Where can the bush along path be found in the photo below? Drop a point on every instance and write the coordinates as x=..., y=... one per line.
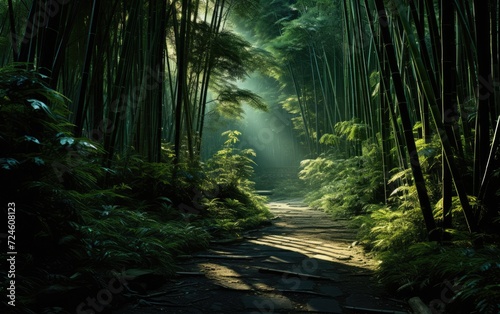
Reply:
x=305, y=261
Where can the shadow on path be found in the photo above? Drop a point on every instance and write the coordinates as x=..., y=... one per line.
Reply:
x=304, y=263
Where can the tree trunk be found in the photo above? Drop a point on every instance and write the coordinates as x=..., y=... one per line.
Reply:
x=423, y=197
x=89, y=51
x=485, y=90
x=181, y=40
x=448, y=97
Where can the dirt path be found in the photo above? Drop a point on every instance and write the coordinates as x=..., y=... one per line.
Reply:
x=303, y=263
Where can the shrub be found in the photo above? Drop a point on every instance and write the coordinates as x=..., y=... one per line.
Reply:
x=343, y=186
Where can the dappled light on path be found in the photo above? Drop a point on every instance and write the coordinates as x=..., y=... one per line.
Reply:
x=296, y=265
x=310, y=248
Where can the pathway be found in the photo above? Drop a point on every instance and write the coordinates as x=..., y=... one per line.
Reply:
x=305, y=262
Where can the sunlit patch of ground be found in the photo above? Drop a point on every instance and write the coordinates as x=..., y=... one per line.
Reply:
x=332, y=252
x=304, y=262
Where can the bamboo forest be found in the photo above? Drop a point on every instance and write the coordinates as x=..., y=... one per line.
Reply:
x=250, y=156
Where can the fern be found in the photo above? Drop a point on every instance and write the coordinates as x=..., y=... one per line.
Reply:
x=430, y=268
x=352, y=130
x=343, y=186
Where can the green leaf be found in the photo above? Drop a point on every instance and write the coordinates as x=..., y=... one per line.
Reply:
x=87, y=144
x=39, y=161
x=8, y=163
x=38, y=105
x=66, y=140
x=28, y=138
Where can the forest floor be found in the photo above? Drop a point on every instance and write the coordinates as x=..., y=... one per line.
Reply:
x=304, y=262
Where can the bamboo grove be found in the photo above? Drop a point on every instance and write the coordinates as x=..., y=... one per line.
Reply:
x=398, y=72
x=417, y=78
x=395, y=106
x=138, y=73
x=401, y=74
x=102, y=112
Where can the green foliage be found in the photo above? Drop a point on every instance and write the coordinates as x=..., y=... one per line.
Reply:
x=344, y=79
x=411, y=266
x=233, y=56
x=81, y=221
x=146, y=181
x=458, y=218
x=395, y=232
x=467, y=277
x=385, y=229
x=43, y=166
x=117, y=237
x=329, y=139
x=47, y=172
x=230, y=99
x=480, y=285
x=229, y=217
x=352, y=130
x=232, y=205
x=231, y=165
x=344, y=186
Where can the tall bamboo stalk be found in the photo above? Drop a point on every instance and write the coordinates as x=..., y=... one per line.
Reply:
x=448, y=96
x=423, y=197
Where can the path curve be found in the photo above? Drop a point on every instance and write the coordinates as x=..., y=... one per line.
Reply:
x=305, y=262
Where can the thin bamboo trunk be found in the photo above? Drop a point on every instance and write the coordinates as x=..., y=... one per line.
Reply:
x=385, y=82
x=424, y=81
x=89, y=52
x=425, y=204
x=13, y=33
x=302, y=110
x=485, y=92
x=315, y=99
x=214, y=27
x=448, y=97
x=181, y=38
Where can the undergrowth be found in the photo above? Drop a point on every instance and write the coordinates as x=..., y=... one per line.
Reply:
x=454, y=278
x=343, y=186
x=454, y=275
x=79, y=224
x=233, y=205
x=410, y=265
